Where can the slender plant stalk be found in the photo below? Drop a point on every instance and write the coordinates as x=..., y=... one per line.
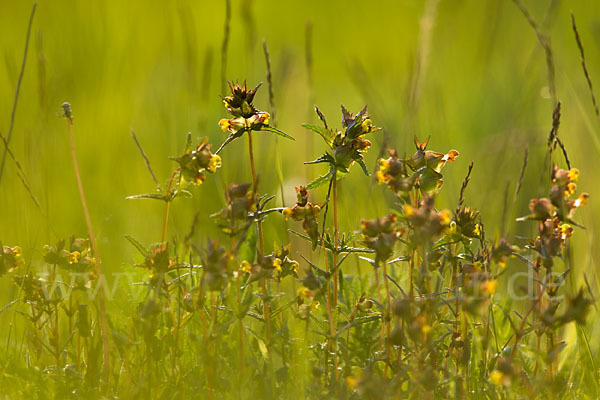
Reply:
x=225, y=44
x=163, y=236
x=378, y=289
x=584, y=66
x=544, y=41
x=308, y=59
x=18, y=90
x=388, y=314
x=206, y=334
x=240, y=334
x=330, y=315
x=335, y=239
x=277, y=168
x=21, y=173
x=88, y=220
x=261, y=245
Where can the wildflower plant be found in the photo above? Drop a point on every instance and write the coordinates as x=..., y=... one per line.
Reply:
x=246, y=117
x=345, y=146
x=428, y=318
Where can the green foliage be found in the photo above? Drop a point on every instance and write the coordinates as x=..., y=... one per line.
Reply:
x=404, y=294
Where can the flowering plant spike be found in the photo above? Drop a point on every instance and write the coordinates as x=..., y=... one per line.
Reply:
x=246, y=117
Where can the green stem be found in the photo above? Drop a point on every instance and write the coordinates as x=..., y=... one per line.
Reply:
x=88, y=220
x=261, y=247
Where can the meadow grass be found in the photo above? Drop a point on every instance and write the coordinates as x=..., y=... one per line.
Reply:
x=284, y=254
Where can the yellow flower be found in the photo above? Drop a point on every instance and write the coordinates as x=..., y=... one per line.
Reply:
x=314, y=306
x=352, y=380
x=277, y=265
x=287, y=213
x=565, y=231
x=490, y=286
x=450, y=156
x=570, y=189
x=573, y=175
x=224, y=124
x=408, y=210
x=445, y=217
x=246, y=267
x=295, y=266
x=453, y=227
x=384, y=164
x=477, y=230
x=304, y=292
x=232, y=125
x=382, y=177
x=366, y=125
x=581, y=200
x=497, y=377
x=426, y=329
x=264, y=118
x=74, y=257
x=214, y=163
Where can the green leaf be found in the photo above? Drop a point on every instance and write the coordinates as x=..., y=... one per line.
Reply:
x=230, y=138
x=361, y=162
x=325, y=158
x=188, y=143
x=247, y=249
x=430, y=181
x=263, y=348
x=321, y=116
x=276, y=131
x=320, y=181
x=326, y=134
x=138, y=246
x=151, y=196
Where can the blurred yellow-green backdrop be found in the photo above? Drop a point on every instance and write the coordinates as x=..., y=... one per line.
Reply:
x=470, y=73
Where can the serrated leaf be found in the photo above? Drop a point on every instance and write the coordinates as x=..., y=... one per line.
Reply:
x=326, y=134
x=276, y=131
x=138, y=246
x=320, y=181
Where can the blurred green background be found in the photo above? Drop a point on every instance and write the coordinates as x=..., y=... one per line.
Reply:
x=470, y=73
